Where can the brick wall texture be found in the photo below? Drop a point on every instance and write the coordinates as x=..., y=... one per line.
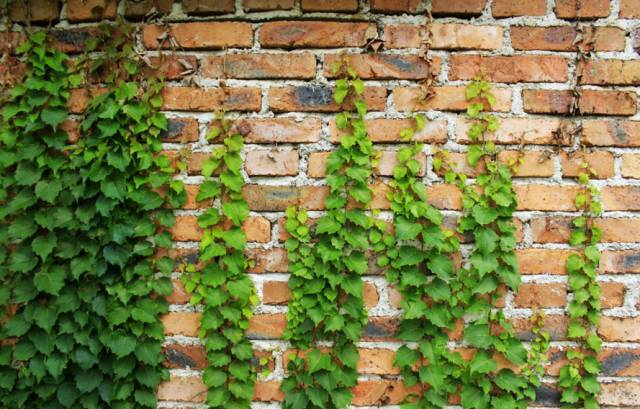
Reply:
x=267, y=63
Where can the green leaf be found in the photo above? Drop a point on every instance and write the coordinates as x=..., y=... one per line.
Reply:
x=50, y=281
x=484, y=215
x=121, y=344
x=115, y=254
x=317, y=360
x=406, y=229
x=48, y=190
x=54, y=116
x=44, y=245
x=406, y=356
x=483, y=363
x=478, y=335
x=237, y=211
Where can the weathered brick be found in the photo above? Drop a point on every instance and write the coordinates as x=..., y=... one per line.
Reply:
x=508, y=8
x=139, y=8
x=387, y=161
x=446, y=98
x=612, y=294
x=547, y=295
x=395, y=6
x=204, y=7
x=266, y=5
x=562, y=38
x=621, y=197
x=629, y=8
x=200, y=35
x=558, y=229
x=610, y=72
x=534, y=164
x=181, y=130
x=388, y=131
x=280, y=130
x=181, y=323
x=267, y=326
x=457, y=7
x=9, y=40
x=624, y=134
x=260, y=66
x=546, y=197
x=377, y=361
x=268, y=260
x=620, y=262
x=211, y=99
x=384, y=66
x=380, y=392
x=600, y=161
x=257, y=229
x=317, y=98
x=171, y=67
x=630, y=167
x=401, y=36
x=582, y=9
x=542, y=261
x=277, y=293
x=179, y=294
x=512, y=69
x=274, y=162
x=466, y=37
x=330, y=5
x=317, y=34
x=268, y=391
x=274, y=198
x=35, y=11
x=616, y=329
x=625, y=393
x=183, y=389
x=184, y=356
x=518, y=131
x=594, y=102
x=91, y=10
x=79, y=98
x=554, y=325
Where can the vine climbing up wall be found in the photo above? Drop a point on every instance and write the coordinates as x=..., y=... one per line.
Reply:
x=419, y=203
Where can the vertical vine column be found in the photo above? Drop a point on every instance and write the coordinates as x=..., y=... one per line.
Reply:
x=326, y=312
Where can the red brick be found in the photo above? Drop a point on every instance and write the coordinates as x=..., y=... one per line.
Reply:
x=508, y=8
x=630, y=167
x=558, y=229
x=600, y=161
x=330, y=5
x=612, y=294
x=280, y=130
x=446, y=98
x=179, y=294
x=554, y=325
x=542, y=261
x=457, y=7
x=268, y=260
x=9, y=40
x=535, y=164
x=171, y=67
x=316, y=34
x=629, y=8
x=181, y=323
x=266, y=5
x=315, y=98
x=275, y=198
x=582, y=8
x=139, y=8
x=388, y=131
x=277, y=293
x=547, y=295
x=268, y=391
x=183, y=389
x=562, y=38
x=267, y=326
x=204, y=7
x=616, y=329
x=518, y=131
x=260, y=66
x=519, y=68
x=401, y=36
x=620, y=262
x=185, y=356
x=624, y=134
x=386, y=164
x=35, y=11
x=211, y=99
x=181, y=130
x=619, y=230
x=611, y=72
x=257, y=229
x=395, y=6
x=274, y=162
x=201, y=35
x=621, y=198
x=458, y=36
x=593, y=102
x=380, y=392
x=377, y=361
x=624, y=393
x=546, y=197
x=79, y=98
x=384, y=66
x=91, y=10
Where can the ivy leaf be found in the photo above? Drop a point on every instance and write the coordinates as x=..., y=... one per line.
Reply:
x=406, y=356
x=115, y=254
x=50, y=281
x=406, y=229
x=473, y=397
x=441, y=266
x=240, y=289
x=484, y=215
x=237, y=211
x=44, y=245
x=67, y=394
x=478, y=335
x=484, y=263
x=409, y=256
x=45, y=317
x=54, y=116
x=317, y=360
x=121, y=344
x=48, y=190
x=22, y=260
x=483, y=363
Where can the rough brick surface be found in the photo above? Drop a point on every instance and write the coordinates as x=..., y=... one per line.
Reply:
x=268, y=64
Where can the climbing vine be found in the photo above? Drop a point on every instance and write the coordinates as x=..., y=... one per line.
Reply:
x=83, y=223
x=222, y=287
x=326, y=288
x=578, y=378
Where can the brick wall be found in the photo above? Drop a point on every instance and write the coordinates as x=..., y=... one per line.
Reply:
x=274, y=58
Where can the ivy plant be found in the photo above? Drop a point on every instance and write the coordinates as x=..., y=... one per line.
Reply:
x=222, y=286
x=578, y=378
x=327, y=264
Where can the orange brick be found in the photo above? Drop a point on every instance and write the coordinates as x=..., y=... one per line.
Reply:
x=211, y=99
x=582, y=8
x=612, y=294
x=181, y=323
x=204, y=7
x=630, y=167
x=554, y=325
x=267, y=326
x=171, y=67
x=619, y=230
x=386, y=164
x=594, y=102
x=539, y=101
x=273, y=260
x=551, y=229
x=91, y=10
x=179, y=294
x=266, y=5
x=546, y=197
x=611, y=72
x=380, y=392
x=384, y=66
x=268, y=391
x=269, y=198
x=611, y=133
x=10, y=40
x=395, y=6
x=447, y=98
x=257, y=229
x=384, y=130
x=200, y=35
x=621, y=198
x=457, y=7
x=518, y=68
x=273, y=162
x=542, y=261
x=181, y=130
x=277, y=293
x=401, y=36
x=183, y=389
x=184, y=356
x=620, y=262
x=518, y=131
x=600, y=161
x=508, y=8
x=319, y=34
x=616, y=329
x=316, y=98
x=377, y=361
x=547, y=295
x=280, y=130
x=79, y=98
x=138, y=8
x=629, y=8
x=464, y=36
x=260, y=66
x=330, y=5
x=35, y=11
x=562, y=38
